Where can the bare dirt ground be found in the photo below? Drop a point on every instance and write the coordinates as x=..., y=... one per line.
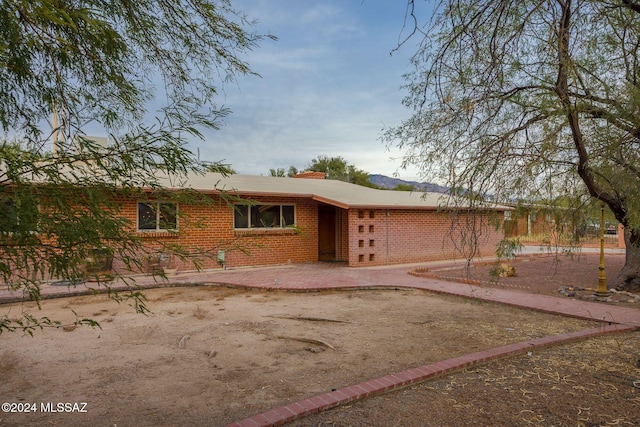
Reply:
x=574, y=275
x=589, y=383
x=595, y=382
x=212, y=355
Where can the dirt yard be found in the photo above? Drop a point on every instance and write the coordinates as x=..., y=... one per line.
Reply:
x=585, y=384
x=575, y=276
x=211, y=355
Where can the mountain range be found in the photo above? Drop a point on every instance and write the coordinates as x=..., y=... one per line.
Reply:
x=386, y=182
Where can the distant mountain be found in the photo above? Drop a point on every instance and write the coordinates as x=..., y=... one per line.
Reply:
x=383, y=181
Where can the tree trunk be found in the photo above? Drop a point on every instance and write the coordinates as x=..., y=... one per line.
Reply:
x=629, y=277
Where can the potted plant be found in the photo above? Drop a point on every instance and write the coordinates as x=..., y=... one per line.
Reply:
x=168, y=263
x=153, y=263
x=99, y=264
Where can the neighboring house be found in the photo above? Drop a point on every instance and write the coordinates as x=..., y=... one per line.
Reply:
x=537, y=223
x=290, y=220
x=527, y=220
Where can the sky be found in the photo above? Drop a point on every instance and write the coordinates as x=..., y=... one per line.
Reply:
x=328, y=86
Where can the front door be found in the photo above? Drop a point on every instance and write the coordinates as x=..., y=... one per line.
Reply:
x=326, y=233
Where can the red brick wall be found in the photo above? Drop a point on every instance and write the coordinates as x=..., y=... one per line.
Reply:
x=366, y=237
x=210, y=228
x=408, y=236
x=342, y=222
x=275, y=246
x=621, y=243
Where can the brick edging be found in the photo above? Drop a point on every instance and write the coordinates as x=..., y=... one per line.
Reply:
x=412, y=376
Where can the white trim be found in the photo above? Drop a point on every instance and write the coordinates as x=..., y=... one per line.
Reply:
x=280, y=227
x=156, y=206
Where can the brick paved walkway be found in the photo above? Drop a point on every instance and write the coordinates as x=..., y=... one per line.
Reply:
x=311, y=277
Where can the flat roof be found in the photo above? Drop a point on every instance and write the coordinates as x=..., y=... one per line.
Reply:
x=332, y=192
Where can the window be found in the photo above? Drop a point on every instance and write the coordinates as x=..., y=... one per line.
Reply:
x=8, y=216
x=507, y=215
x=157, y=216
x=18, y=216
x=264, y=216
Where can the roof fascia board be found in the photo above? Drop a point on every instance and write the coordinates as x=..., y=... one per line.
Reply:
x=330, y=202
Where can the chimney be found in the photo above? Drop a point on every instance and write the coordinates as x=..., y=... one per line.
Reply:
x=310, y=175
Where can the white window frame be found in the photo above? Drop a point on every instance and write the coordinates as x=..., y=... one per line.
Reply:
x=249, y=216
x=156, y=204
x=11, y=204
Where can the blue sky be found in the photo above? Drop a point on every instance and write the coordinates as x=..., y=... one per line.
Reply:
x=329, y=86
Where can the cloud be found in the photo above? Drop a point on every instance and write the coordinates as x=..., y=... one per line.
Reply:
x=328, y=87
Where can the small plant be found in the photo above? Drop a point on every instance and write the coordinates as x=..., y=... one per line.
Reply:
x=161, y=262
x=168, y=264
x=153, y=263
x=506, y=251
x=99, y=264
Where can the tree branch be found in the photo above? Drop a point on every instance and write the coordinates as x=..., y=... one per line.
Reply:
x=631, y=5
x=562, y=84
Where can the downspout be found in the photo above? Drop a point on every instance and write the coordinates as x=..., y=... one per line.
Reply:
x=338, y=234
x=388, y=215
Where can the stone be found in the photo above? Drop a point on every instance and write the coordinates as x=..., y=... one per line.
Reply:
x=506, y=270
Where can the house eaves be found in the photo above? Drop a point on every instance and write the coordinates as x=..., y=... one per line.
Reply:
x=337, y=193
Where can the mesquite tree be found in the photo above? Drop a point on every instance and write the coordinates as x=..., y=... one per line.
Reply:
x=531, y=100
x=147, y=73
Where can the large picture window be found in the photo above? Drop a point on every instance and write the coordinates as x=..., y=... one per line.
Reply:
x=22, y=217
x=8, y=216
x=264, y=216
x=157, y=216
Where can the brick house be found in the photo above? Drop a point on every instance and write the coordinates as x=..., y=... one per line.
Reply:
x=532, y=219
x=289, y=220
